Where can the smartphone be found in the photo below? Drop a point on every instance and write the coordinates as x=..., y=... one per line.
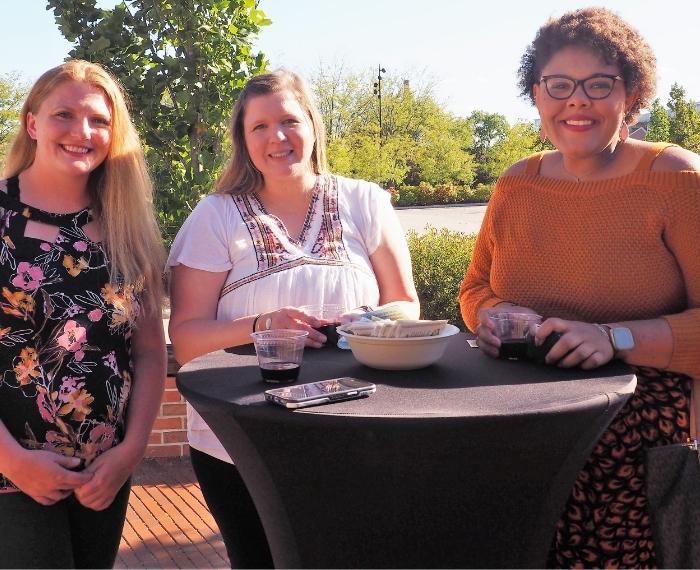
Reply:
x=321, y=392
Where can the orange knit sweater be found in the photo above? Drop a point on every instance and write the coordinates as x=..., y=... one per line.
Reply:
x=621, y=249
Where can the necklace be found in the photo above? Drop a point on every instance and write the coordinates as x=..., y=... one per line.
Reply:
x=580, y=177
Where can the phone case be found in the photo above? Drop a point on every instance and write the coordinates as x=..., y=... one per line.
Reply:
x=320, y=392
x=315, y=402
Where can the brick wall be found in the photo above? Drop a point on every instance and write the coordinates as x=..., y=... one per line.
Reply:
x=169, y=434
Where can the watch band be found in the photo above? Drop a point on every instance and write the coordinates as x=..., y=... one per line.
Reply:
x=607, y=331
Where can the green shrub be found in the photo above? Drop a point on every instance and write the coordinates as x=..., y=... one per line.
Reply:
x=463, y=193
x=407, y=196
x=446, y=193
x=395, y=194
x=440, y=259
x=425, y=194
x=482, y=193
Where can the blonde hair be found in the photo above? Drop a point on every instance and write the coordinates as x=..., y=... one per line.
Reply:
x=121, y=191
x=240, y=174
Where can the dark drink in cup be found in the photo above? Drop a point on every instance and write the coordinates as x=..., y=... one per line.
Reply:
x=512, y=329
x=513, y=349
x=280, y=372
x=280, y=352
x=330, y=314
x=331, y=333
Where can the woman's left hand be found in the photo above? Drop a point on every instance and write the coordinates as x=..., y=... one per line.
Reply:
x=295, y=318
x=581, y=344
x=110, y=471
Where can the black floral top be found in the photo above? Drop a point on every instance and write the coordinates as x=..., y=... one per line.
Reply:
x=65, y=336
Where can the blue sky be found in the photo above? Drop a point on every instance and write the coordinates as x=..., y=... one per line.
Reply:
x=469, y=50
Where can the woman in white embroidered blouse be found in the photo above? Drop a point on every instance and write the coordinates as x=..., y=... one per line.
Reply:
x=280, y=232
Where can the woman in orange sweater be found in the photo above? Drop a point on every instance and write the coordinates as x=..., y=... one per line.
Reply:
x=602, y=238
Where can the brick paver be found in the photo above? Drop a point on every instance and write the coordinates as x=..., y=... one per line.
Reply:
x=168, y=524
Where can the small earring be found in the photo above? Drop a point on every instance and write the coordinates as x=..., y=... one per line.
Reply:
x=624, y=131
x=543, y=135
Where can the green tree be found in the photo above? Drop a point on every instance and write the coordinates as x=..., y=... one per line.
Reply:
x=419, y=140
x=489, y=130
x=359, y=155
x=344, y=99
x=685, y=120
x=520, y=140
x=659, y=129
x=12, y=94
x=183, y=64
x=443, y=152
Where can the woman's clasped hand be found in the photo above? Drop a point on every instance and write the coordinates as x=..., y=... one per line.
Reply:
x=581, y=344
x=586, y=345
x=45, y=476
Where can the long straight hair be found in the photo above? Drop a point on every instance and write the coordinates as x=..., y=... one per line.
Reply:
x=240, y=174
x=120, y=189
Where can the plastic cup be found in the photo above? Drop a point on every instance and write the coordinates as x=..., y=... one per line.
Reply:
x=512, y=329
x=280, y=352
x=326, y=312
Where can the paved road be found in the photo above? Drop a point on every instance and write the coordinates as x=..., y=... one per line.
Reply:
x=460, y=218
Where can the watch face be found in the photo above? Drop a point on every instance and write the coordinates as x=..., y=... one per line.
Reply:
x=622, y=338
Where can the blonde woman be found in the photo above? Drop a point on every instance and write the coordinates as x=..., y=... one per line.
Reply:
x=81, y=342
x=280, y=232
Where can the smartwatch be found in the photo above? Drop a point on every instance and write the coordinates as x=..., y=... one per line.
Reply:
x=620, y=337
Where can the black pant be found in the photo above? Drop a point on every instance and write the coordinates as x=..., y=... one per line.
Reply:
x=233, y=510
x=64, y=535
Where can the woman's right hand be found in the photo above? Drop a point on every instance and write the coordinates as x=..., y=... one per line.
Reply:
x=294, y=318
x=46, y=476
x=489, y=343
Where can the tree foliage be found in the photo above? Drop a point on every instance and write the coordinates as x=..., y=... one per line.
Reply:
x=684, y=120
x=519, y=141
x=12, y=94
x=419, y=141
x=343, y=98
x=489, y=130
x=183, y=63
x=659, y=129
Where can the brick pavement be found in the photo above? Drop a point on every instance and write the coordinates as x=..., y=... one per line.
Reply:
x=168, y=524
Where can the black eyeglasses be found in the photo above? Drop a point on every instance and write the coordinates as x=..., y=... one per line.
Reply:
x=597, y=86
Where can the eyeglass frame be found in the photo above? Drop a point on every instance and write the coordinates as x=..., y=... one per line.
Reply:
x=580, y=82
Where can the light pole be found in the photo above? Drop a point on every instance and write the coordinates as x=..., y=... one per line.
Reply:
x=378, y=93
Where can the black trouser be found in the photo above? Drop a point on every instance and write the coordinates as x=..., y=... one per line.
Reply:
x=233, y=510
x=64, y=535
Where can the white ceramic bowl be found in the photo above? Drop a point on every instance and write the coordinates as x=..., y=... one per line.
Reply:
x=399, y=353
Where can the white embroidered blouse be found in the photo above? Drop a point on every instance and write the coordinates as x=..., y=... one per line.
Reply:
x=268, y=269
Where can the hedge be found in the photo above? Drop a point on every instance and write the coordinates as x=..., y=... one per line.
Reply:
x=426, y=195
x=440, y=259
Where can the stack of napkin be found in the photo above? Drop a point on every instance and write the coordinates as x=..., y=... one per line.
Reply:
x=387, y=328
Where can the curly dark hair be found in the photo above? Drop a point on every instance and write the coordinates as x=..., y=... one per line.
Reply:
x=603, y=32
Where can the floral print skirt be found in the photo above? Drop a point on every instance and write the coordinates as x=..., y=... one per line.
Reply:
x=606, y=522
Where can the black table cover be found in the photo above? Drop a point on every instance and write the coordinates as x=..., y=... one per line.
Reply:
x=466, y=463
